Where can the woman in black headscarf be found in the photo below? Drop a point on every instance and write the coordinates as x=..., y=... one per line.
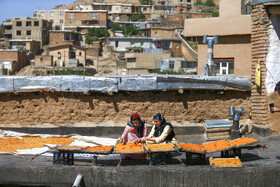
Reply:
x=162, y=131
x=134, y=130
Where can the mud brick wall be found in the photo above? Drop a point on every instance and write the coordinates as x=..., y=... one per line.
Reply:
x=260, y=45
x=60, y=108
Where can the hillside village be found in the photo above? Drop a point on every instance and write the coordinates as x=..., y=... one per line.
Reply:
x=90, y=37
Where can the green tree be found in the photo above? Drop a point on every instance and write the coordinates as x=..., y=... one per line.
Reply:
x=116, y=27
x=146, y=2
x=199, y=2
x=96, y=33
x=132, y=30
x=210, y=3
x=211, y=10
x=138, y=17
x=1, y=31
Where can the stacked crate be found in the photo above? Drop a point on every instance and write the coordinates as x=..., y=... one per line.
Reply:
x=217, y=129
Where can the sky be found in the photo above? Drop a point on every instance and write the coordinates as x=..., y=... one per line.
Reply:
x=23, y=8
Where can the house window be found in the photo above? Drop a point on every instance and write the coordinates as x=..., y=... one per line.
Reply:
x=28, y=24
x=18, y=23
x=181, y=10
x=42, y=59
x=18, y=33
x=80, y=53
x=116, y=44
x=42, y=13
x=51, y=14
x=36, y=23
x=224, y=65
x=155, y=32
x=171, y=65
x=58, y=55
x=94, y=15
x=131, y=60
x=61, y=13
x=51, y=20
x=71, y=15
x=28, y=33
x=61, y=21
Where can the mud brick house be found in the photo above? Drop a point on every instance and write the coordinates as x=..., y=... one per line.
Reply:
x=26, y=44
x=55, y=16
x=232, y=54
x=68, y=55
x=61, y=37
x=84, y=19
x=265, y=19
x=13, y=60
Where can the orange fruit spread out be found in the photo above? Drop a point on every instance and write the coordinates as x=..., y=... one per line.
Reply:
x=241, y=141
x=72, y=146
x=211, y=146
x=10, y=144
x=129, y=147
x=159, y=146
x=195, y=147
x=226, y=161
x=99, y=148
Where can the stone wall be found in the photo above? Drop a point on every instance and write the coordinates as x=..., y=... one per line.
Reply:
x=40, y=109
x=260, y=44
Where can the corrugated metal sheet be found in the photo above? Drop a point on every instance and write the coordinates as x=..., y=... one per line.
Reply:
x=124, y=83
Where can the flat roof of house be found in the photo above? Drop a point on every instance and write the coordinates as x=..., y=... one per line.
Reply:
x=86, y=11
x=143, y=38
x=69, y=31
x=266, y=2
x=66, y=46
x=23, y=40
x=111, y=4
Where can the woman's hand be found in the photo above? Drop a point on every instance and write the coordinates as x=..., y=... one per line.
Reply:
x=122, y=140
x=274, y=109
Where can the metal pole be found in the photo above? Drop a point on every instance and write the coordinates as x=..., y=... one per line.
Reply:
x=78, y=181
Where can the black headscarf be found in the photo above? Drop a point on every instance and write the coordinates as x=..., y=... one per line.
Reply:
x=160, y=129
x=140, y=127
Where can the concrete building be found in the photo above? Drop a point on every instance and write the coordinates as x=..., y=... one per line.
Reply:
x=55, y=16
x=232, y=54
x=12, y=60
x=83, y=19
x=61, y=37
x=28, y=28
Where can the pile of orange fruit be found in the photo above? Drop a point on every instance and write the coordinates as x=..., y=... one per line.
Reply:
x=10, y=144
x=211, y=146
x=195, y=147
x=241, y=141
x=159, y=146
x=99, y=148
x=225, y=161
x=129, y=147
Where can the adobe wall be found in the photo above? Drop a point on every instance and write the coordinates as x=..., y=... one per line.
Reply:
x=57, y=109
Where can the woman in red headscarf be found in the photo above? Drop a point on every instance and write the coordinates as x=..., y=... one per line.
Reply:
x=134, y=129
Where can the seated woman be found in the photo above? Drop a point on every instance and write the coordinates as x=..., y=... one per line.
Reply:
x=134, y=129
x=162, y=131
x=277, y=89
